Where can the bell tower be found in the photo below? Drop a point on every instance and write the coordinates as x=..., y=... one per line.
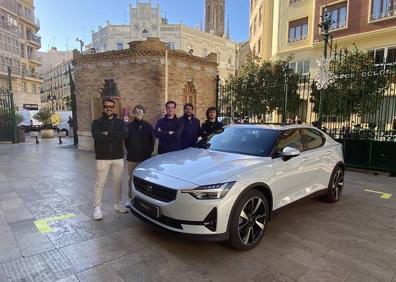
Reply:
x=214, y=16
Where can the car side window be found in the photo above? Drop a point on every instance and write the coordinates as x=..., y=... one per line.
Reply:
x=312, y=138
x=290, y=138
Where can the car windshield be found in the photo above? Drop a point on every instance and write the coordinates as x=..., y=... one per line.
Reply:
x=241, y=140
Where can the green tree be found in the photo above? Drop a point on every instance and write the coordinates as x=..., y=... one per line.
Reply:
x=259, y=89
x=353, y=92
x=44, y=116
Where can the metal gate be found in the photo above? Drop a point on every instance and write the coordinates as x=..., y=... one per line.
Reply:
x=7, y=116
x=358, y=109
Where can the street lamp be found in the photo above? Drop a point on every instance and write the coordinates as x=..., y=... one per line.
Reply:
x=81, y=44
x=325, y=25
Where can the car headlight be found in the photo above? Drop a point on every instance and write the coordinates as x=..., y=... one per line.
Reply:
x=212, y=191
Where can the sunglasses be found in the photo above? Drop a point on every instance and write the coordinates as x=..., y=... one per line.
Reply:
x=108, y=107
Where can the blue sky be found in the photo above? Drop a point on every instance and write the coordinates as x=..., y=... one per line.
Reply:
x=62, y=21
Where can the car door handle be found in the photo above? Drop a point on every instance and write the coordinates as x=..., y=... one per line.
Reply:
x=328, y=153
x=304, y=159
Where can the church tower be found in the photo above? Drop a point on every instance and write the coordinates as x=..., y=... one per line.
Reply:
x=214, y=16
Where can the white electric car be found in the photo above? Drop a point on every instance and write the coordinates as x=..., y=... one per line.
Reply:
x=227, y=186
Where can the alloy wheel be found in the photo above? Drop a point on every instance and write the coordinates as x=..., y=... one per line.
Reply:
x=252, y=220
x=338, y=184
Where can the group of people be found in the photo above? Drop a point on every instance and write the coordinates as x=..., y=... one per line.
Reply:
x=111, y=135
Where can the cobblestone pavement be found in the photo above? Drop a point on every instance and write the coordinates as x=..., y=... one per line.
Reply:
x=352, y=240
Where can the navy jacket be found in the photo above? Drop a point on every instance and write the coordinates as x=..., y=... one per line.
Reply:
x=210, y=127
x=110, y=146
x=140, y=141
x=168, y=142
x=191, y=131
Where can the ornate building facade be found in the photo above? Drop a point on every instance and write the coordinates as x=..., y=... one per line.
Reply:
x=18, y=50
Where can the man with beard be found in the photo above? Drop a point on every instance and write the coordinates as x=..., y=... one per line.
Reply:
x=211, y=125
x=191, y=127
x=108, y=132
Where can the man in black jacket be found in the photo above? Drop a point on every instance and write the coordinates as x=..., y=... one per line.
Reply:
x=191, y=127
x=211, y=125
x=108, y=132
x=140, y=142
x=168, y=130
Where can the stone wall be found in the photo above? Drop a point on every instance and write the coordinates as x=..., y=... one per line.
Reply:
x=140, y=76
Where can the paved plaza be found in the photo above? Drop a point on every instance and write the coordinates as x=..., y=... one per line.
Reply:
x=47, y=232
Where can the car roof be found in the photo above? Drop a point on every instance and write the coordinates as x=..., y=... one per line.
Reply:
x=272, y=126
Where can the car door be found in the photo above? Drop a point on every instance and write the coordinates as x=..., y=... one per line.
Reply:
x=291, y=176
x=316, y=161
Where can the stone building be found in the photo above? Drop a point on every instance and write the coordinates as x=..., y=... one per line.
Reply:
x=147, y=73
x=145, y=21
x=19, y=43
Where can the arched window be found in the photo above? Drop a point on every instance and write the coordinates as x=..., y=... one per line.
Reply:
x=190, y=94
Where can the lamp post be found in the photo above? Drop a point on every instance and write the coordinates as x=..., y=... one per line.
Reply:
x=286, y=90
x=325, y=24
x=52, y=98
x=81, y=44
x=73, y=104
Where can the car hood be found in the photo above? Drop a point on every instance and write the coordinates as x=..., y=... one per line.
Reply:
x=200, y=166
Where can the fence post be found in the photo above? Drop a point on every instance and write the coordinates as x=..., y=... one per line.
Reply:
x=286, y=89
x=13, y=122
x=217, y=91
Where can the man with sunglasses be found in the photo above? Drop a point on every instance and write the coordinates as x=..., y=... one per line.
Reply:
x=140, y=142
x=108, y=132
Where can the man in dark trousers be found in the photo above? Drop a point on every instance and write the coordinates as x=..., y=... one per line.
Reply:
x=140, y=142
x=191, y=127
x=211, y=125
x=168, y=130
x=108, y=132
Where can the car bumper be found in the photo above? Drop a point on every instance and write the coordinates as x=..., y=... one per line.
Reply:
x=184, y=214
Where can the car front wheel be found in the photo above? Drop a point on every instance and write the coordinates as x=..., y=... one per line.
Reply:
x=249, y=220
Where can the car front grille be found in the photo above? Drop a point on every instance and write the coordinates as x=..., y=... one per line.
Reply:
x=154, y=191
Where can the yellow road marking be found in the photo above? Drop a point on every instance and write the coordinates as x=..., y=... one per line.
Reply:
x=383, y=195
x=43, y=224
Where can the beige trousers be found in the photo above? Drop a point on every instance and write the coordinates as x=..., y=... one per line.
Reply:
x=102, y=171
x=131, y=167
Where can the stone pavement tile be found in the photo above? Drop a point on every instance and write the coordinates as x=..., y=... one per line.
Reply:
x=272, y=276
x=96, y=251
x=7, y=240
x=71, y=278
x=34, y=244
x=3, y=178
x=49, y=266
x=8, y=196
x=357, y=264
x=18, y=214
x=95, y=228
x=64, y=234
x=40, y=209
x=5, y=187
x=10, y=254
x=101, y=273
x=12, y=204
x=24, y=227
x=27, y=194
x=357, y=277
x=21, y=184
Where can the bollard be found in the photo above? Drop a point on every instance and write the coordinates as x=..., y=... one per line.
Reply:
x=35, y=135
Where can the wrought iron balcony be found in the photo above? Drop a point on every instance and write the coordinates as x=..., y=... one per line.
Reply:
x=34, y=38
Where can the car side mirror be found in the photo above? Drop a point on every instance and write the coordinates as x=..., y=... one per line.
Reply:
x=289, y=152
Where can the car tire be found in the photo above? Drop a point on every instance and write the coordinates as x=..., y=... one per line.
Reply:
x=249, y=220
x=336, y=185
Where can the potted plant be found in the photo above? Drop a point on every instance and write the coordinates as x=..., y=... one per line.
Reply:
x=21, y=129
x=44, y=116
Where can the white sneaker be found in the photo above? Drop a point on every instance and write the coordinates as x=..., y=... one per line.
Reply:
x=128, y=203
x=97, y=213
x=120, y=207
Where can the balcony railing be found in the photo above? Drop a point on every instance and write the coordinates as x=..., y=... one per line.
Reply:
x=7, y=26
x=34, y=38
x=383, y=15
x=29, y=73
x=33, y=56
x=15, y=70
